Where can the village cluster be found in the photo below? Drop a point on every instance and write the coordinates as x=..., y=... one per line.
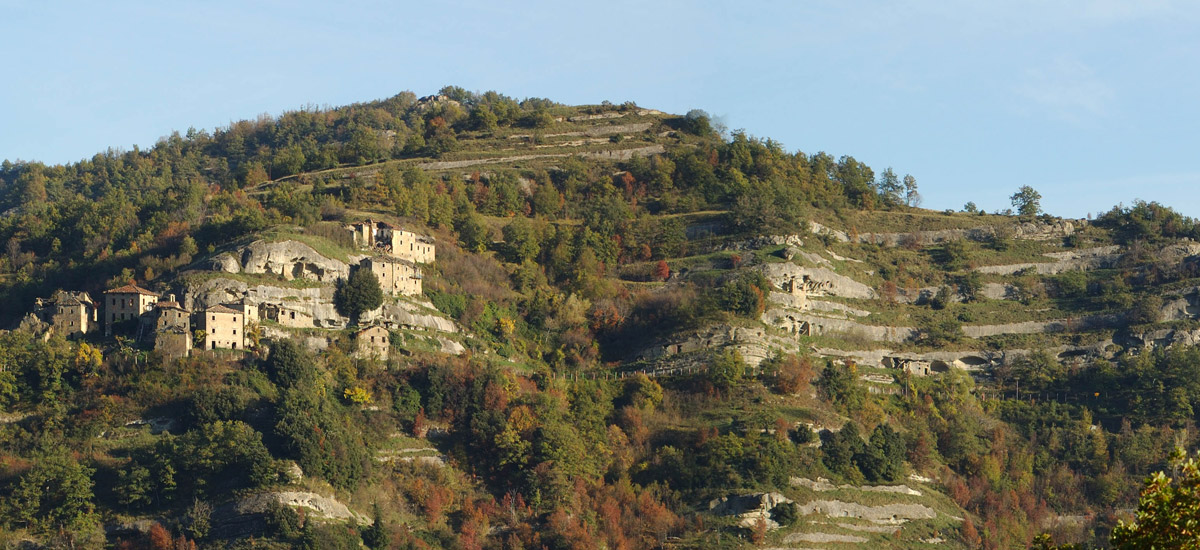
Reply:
x=160, y=320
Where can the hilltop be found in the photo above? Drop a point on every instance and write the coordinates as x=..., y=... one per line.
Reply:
x=637, y=331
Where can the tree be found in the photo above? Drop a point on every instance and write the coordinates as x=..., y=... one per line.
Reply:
x=697, y=122
x=1027, y=201
x=289, y=365
x=911, y=196
x=662, y=271
x=970, y=208
x=375, y=536
x=1168, y=511
x=839, y=385
x=790, y=374
x=56, y=493
x=357, y=295
x=726, y=369
x=889, y=186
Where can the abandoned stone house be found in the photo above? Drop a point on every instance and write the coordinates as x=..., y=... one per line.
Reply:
x=68, y=313
x=373, y=341
x=127, y=304
x=394, y=241
x=286, y=316
x=172, y=329
x=224, y=328
x=249, y=310
x=396, y=276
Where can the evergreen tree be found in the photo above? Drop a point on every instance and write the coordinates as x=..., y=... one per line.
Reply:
x=358, y=294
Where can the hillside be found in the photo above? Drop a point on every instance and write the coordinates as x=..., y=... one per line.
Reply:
x=636, y=332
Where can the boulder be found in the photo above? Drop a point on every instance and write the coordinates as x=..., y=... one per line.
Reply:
x=291, y=260
x=751, y=508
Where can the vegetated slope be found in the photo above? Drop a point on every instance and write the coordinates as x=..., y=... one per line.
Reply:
x=654, y=323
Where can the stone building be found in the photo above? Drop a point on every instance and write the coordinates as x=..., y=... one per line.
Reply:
x=172, y=329
x=392, y=240
x=374, y=341
x=224, y=327
x=125, y=304
x=68, y=313
x=287, y=316
x=396, y=276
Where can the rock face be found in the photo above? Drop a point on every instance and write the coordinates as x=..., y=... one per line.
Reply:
x=245, y=517
x=1163, y=337
x=316, y=301
x=821, y=280
x=288, y=259
x=1037, y=327
x=1039, y=231
x=292, y=260
x=410, y=315
x=750, y=508
x=888, y=513
x=754, y=345
x=1102, y=257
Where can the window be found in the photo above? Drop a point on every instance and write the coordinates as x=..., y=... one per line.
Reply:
x=235, y=332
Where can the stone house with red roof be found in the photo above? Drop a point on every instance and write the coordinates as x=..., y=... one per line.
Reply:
x=127, y=304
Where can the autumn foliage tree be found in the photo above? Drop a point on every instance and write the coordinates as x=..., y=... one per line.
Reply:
x=789, y=374
x=662, y=271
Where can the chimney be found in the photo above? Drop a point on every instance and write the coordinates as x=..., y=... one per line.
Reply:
x=170, y=297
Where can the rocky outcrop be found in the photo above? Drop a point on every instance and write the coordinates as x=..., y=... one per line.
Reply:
x=884, y=513
x=1036, y=231
x=245, y=517
x=754, y=345
x=821, y=485
x=801, y=323
x=750, y=509
x=821, y=305
x=1158, y=338
x=1102, y=257
x=823, y=280
x=317, y=302
x=287, y=259
x=1088, y=322
x=616, y=154
x=823, y=538
x=410, y=315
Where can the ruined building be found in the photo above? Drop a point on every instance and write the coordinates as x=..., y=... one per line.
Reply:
x=374, y=341
x=396, y=276
x=172, y=329
x=391, y=240
x=68, y=313
x=287, y=316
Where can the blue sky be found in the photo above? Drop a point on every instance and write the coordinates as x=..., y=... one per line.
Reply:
x=1092, y=103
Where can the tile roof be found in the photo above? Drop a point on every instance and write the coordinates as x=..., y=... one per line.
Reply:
x=384, y=259
x=131, y=289
x=222, y=309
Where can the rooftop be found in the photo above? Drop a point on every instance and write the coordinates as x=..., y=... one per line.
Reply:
x=131, y=289
x=222, y=309
x=391, y=260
